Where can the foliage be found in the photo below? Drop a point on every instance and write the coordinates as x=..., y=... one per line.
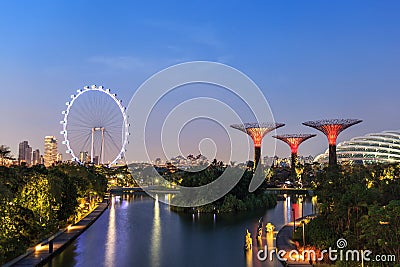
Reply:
x=37, y=201
x=361, y=204
x=238, y=199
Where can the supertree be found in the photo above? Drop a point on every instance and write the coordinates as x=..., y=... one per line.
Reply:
x=257, y=131
x=332, y=128
x=294, y=141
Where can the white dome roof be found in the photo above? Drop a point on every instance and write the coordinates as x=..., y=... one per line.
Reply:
x=376, y=147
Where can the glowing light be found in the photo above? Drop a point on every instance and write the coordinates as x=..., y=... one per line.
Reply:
x=257, y=131
x=332, y=128
x=156, y=235
x=287, y=209
x=38, y=247
x=249, y=258
x=294, y=140
x=111, y=236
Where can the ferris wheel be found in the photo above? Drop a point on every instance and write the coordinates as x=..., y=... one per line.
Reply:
x=95, y=126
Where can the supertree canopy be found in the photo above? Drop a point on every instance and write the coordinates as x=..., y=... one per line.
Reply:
x=257, y=131
x=294, y=141
x=332, y=128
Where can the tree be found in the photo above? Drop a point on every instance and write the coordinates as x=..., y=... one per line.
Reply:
x=5, y=153
x=380, y=229
x=36, y=196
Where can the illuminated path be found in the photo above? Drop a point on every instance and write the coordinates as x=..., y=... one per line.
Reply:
x=41, y=254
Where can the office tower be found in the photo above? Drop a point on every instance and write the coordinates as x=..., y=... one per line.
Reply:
x=36, y=157
x=84, y=157
x=50, y=150
x=24, y=153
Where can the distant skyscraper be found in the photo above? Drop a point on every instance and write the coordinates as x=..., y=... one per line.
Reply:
x=50, y=150
x=36, y=157
x=25, y=153
x=28, y=156
x=84, y=157
x=96, y=160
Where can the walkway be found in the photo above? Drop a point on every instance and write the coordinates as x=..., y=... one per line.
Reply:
x=284, y=242
x=41, y=255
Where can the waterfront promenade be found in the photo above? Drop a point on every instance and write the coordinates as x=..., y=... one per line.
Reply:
x=40, y=254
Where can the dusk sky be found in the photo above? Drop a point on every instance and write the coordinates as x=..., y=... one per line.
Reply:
x=312, y=60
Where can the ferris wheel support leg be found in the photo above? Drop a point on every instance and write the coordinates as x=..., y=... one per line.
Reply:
x=102, y=145
x=92, y=147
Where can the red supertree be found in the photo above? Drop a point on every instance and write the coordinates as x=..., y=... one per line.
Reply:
x=294, y=141
x=332, y=128
x=257, y=131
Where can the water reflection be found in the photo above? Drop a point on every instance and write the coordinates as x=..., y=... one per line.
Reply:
x=287, y=209
x=132, y=236
x=111, y=236
x=156, y=235
x=314, y=204
x=249, y=258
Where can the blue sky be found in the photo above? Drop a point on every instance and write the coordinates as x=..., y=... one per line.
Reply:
x=312, y=60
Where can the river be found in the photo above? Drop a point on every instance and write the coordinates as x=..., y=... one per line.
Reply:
x=138, y=231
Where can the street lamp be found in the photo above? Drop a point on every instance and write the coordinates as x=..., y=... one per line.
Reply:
x=301, y=201
x=304, y=239
x=294, y=220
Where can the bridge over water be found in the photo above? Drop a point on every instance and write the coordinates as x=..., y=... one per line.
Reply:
x=165, y=190
x=291, y=191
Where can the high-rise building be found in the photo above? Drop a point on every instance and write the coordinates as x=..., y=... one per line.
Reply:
x=36, y=157
x=84, y=157
x=96, y=160
x=28, y=156
x=24, y=153
x=50, y=150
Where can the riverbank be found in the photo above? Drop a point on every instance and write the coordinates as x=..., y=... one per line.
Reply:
x=40, y=254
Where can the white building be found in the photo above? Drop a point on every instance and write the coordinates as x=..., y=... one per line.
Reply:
x=381, y=147
x=50, y=150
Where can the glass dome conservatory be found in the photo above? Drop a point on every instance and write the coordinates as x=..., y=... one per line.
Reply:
x=381, y=147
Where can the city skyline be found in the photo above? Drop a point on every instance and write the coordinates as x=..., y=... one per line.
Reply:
x=343, y=66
